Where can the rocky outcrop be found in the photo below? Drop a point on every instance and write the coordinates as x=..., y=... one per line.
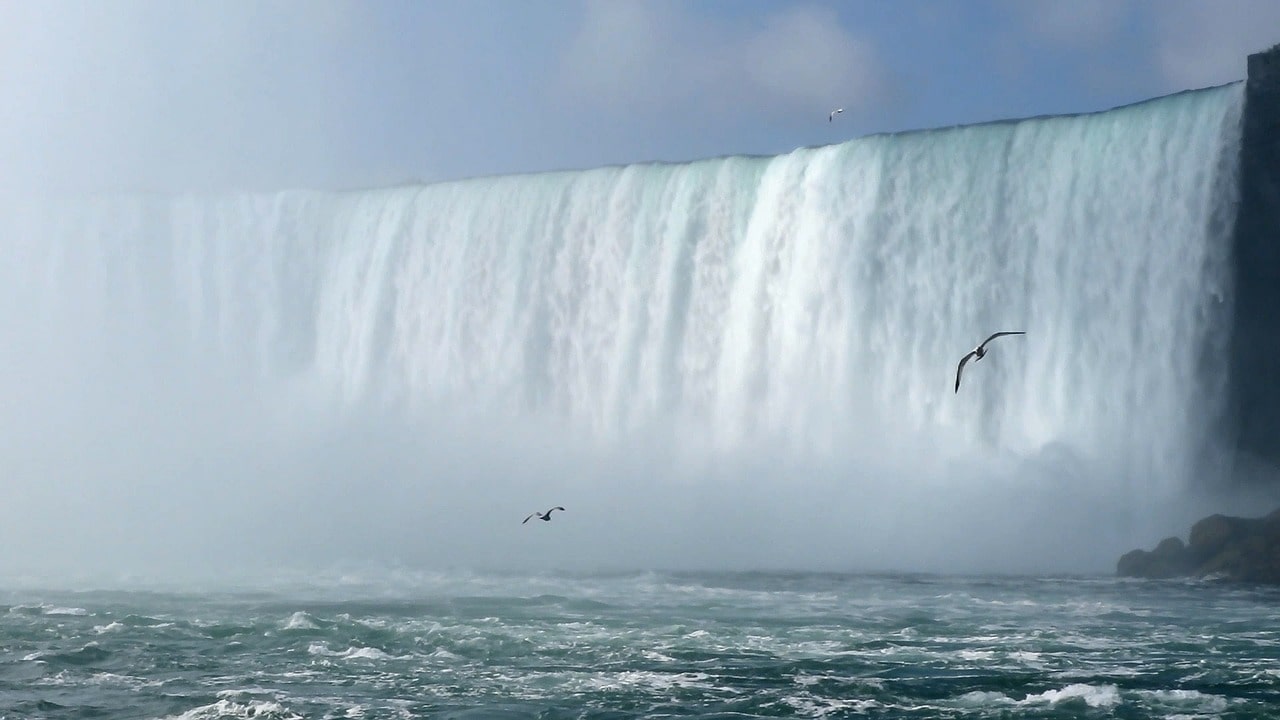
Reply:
x=1231, y=548
x=1255, y=335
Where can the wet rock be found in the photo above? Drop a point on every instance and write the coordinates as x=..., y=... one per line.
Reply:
x=1231, y=548
x=1169, y=559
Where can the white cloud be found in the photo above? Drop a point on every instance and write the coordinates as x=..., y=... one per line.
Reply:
x=145, y=94
x=1076, y=24
x=629, y=52
x=1202, y=42
x=803, y=58
x=655, y=57
x=1184, y=43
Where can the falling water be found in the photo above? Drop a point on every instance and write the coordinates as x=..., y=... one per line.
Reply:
x=815, y=302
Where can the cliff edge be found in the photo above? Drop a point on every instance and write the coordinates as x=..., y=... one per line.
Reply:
x=1221, y=546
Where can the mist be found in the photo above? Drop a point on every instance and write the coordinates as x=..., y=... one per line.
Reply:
x=200, y=479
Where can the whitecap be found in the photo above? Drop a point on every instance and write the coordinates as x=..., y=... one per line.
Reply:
x=1200, y=701
x=52, y=610
x=1092, y=695
x=317, y=648
x=655, y=680
x=108, y=678
x=821, y=707
x=657, y=656
x=110, y=627
x=983, y=698
x=352, y=653
x=299, y=621
x=364, y=653
x=242, y=693
x=259, y=710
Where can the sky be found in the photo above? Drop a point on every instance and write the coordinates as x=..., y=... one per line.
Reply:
x=262, y=96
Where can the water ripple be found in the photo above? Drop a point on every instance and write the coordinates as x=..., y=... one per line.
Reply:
x=722, y=645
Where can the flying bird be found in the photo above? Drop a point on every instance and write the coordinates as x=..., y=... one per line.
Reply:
x=980, y=352
x=542, y=516
x=834, y=113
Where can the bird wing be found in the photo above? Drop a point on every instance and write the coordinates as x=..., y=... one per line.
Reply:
x=996, y=335
x=960, y=368
x=528, y=518
x=556, y=508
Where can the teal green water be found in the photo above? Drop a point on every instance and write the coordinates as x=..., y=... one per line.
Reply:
x=647, y=645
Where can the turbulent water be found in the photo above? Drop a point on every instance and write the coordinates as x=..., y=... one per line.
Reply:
x=646, y=645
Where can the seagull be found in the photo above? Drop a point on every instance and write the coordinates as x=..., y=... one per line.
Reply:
x=834, y=113
x=542, y=516
x=980, y=352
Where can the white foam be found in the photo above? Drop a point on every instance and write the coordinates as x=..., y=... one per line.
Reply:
x=52, y=610
x=352, y=653
x=46, y=609
x=821, y=707
x=299, y=621
x=108, y=678
x=223, y=709
x=1093, y=695
x=653, y=680
x=365, y=653
x=1201, y=702
x=980, y=698
x=657, y=656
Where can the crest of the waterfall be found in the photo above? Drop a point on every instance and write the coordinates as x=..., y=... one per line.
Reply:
x=818, y=300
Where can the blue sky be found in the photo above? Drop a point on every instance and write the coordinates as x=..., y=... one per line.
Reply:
x=286, y=94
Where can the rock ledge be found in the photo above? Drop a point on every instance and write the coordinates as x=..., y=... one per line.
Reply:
x=1232, y=548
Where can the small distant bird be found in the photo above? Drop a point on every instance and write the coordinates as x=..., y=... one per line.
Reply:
x=542, y=516
x=834, y=113
x=980, y=352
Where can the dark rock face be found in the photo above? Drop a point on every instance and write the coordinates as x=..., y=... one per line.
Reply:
x=1255, y=341
x=1233, y=548
x=1168, y=560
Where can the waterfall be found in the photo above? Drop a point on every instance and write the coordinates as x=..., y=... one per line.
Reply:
x=804, y=301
